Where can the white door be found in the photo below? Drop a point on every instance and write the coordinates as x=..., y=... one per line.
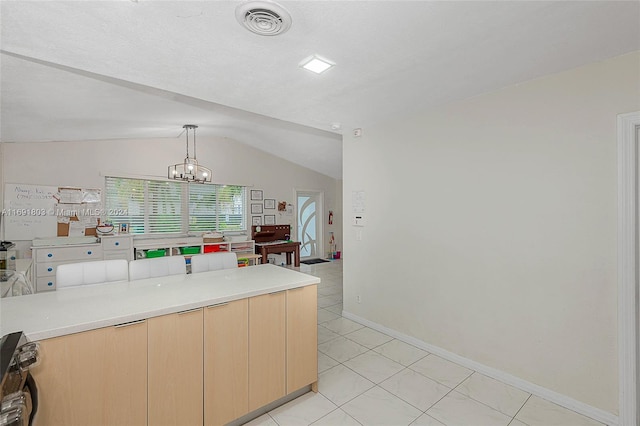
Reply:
x=309, y=223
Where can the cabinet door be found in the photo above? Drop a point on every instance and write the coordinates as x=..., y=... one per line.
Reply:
x=97, y=377
x=175, y=369
x=266, y=349
x=302, y=337
x=226, y=347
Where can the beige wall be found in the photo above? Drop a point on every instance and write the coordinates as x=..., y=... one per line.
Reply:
x=85, y=163
x=491, y=227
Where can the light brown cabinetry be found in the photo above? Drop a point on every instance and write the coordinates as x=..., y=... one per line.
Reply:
x=267, y=357
x=302, y=337
x=206, y=366
x=226, y=350
x=175, y=369
x=97, y=377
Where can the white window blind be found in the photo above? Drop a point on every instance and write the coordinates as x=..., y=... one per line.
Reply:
x=202, y=212
x=163, y=207
x=155, y=207
x=230, y=208
x=125, y=197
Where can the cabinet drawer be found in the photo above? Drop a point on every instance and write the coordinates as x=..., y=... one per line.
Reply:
x=45, y=284
x=116, y=243
x=46, y=269
x=116, y=254
x=78, y=254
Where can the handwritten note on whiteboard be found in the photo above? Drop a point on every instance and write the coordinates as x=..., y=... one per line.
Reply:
x=29, y=211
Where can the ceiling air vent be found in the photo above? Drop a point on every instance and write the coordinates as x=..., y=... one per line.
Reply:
x=264, y=17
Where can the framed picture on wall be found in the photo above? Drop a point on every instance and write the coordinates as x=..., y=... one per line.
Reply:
x=269, y=219
x=256, y=195
x=256, y=208
x=256, y=220
x=123, y=228
x=269, y=203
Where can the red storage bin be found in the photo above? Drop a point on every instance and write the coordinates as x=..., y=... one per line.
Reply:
x=211, y=249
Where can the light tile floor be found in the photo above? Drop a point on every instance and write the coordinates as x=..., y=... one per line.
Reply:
x=369, y=378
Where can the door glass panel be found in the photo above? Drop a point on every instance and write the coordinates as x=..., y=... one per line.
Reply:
x=307, y=226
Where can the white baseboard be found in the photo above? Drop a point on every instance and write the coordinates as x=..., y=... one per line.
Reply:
x=555, y=397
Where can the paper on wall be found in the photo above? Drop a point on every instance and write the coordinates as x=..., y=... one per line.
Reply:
x=91, y=196
x=69, y=196
x=76, y=228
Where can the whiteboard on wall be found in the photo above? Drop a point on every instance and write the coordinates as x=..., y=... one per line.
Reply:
x=29, y=211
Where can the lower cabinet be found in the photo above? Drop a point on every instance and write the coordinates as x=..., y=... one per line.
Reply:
x=175, y=354
x=267, y=354
x=226, y=367
x=97, y=377
x=302, y=337
x=205, y=366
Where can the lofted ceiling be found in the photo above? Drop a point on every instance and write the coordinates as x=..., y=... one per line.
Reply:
x=95, y=70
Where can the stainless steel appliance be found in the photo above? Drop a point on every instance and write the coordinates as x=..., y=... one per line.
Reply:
x=18, y=391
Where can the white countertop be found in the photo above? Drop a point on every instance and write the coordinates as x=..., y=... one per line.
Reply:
x=75, y=309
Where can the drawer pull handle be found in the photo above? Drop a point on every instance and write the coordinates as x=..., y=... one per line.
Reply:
x=49, y=269
x=13, y=258
x=50, y=284
x=49, y=254
x=89, y=252
x=218, y=305
x=190, y=311
x=117, y=243
x=127, y=324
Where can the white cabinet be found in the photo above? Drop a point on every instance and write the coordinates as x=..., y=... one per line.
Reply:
x=117, y=247
x=48, y=258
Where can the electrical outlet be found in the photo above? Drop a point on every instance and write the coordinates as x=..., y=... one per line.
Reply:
x=358, y=299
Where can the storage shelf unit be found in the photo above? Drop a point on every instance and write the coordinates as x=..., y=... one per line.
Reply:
x=173, y=246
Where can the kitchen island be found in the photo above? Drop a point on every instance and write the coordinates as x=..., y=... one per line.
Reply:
x=203, y=348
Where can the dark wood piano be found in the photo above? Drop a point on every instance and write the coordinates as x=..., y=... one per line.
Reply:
x=274, y=239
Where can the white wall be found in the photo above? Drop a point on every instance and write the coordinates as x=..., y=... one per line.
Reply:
x=491, y=227
x=85, y=163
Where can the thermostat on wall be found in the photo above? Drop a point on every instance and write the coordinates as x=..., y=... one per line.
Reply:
x=358, y=220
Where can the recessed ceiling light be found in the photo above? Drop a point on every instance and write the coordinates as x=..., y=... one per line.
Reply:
x=316, y=64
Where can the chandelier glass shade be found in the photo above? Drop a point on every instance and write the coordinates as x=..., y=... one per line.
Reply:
x=189, y=170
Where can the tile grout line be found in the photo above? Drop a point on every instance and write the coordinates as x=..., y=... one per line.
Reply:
x=520, y=409
x=486, y=405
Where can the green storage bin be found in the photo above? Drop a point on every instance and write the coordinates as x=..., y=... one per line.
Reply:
x=190, y=250
x=156, y=253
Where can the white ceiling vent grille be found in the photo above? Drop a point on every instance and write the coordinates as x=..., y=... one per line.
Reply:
x=264, y=17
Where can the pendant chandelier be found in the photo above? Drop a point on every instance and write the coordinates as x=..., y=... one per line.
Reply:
x=189, y=170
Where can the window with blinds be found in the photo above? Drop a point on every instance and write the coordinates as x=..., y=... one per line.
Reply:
x=230, y=208
x=156, y=207
x=202, y=208
x=216, y=207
